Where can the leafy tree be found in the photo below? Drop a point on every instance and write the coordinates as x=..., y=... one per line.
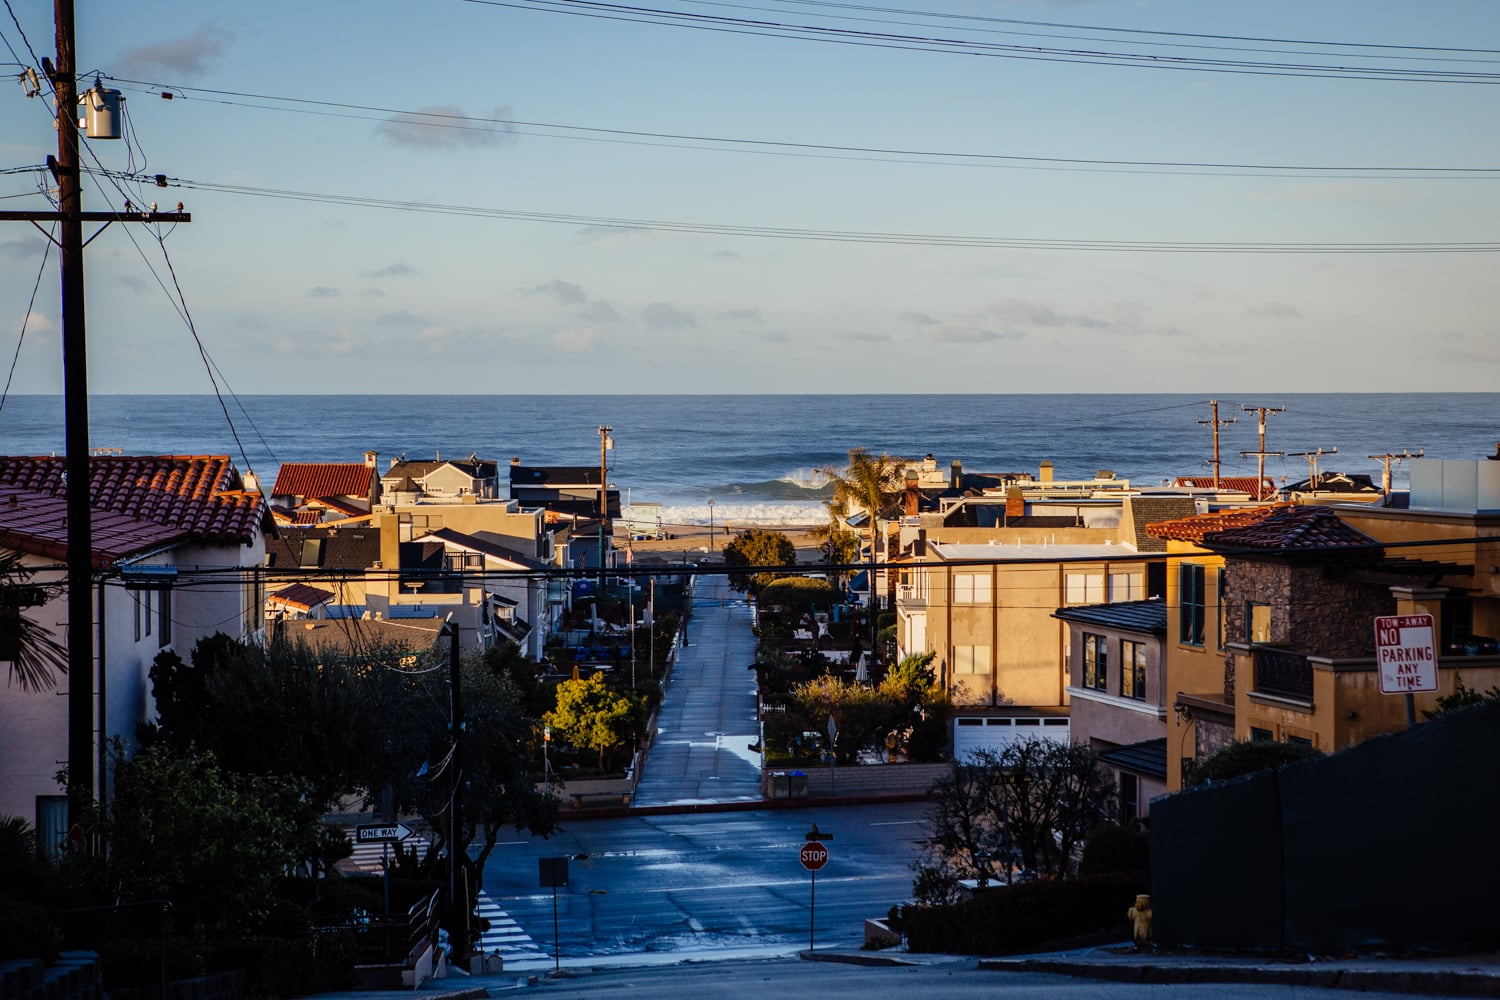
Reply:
x=593, y=715
x=868, y=483
x=1247, y=757
x=35, y=658
x=801, y=594
x=757, y=547
x=507, y=660
x=837, y=547
x=861, y=713
x=920, y=708
x=215, y=843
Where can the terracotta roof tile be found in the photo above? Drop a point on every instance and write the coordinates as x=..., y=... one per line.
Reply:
x=1244, y=484
x=323, y=479
x=1294, y=529
x=1200, y=526
x=302, y=596
x=200, y=494
x=37, y=523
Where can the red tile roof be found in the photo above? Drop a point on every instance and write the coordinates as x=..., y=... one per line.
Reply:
x=1295, y=529
x=340, y=504
x=302, y=596
x=1199, y=526
x=1245, y=484
x=37, y=523
x=323, y=479
x=200, y=494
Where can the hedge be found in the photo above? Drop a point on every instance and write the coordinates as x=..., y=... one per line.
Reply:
x=1011, y=919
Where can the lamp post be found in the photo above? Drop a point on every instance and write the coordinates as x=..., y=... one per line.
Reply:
x=710, y=525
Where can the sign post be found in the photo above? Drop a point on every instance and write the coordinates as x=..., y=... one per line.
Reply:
x=1407, y=657
x=553, y=872
x=813, y=857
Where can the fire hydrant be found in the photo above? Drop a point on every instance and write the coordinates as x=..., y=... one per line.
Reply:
x=1140, y=919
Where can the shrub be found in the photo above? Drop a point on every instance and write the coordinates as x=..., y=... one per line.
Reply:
x=1247, y=757
x=1017, y=918
x=1111, y=849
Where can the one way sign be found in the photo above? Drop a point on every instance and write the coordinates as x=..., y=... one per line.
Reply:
x=375, y=833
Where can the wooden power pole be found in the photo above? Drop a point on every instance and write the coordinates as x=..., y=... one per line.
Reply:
x=1260, y=454
x=1386, y=460
x=1216, y=423
x=70, y=216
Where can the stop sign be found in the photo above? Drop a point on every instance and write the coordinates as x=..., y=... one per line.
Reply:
x=814, y=855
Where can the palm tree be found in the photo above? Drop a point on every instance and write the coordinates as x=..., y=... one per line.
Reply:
x=34, y=656
x=869, y=483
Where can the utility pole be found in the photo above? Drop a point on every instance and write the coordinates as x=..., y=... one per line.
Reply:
x=1261, y=453
x=1312, y=462
x=70, y=216
x=1387, y=459
x=605, y=444
x=1216, y=423
x=455, y=804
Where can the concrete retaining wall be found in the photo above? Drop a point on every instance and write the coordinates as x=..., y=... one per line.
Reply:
x=856, y=780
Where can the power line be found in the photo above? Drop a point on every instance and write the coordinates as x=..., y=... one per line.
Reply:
x=837, y=235
x=26, y=320
x=956, y=46
x=508, y=126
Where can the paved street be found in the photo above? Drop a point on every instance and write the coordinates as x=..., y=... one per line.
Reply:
x=707, y=723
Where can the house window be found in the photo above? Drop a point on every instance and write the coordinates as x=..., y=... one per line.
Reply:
x=135, y=600
x=1259, y=735
x=1130, y=797
x=1126, y=587
x=145, y=603
x=1133, y=669
x=1083, y=588
x=312, y=553
x=971, y=659
x=164, y=613
x=1222, y=632
x=1299, y=741
x=971, y=588
x=1095, y=662
x=52, y=825
x=1257, y=622
x=1190, y=598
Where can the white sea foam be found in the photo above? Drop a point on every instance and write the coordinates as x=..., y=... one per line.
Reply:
x=731, y=515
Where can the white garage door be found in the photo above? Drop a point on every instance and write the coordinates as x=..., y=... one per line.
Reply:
x=972, y=733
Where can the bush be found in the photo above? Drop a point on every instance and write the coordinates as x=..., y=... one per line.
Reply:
x=1247, y=757
x=1017, y=918
x=1111, y=850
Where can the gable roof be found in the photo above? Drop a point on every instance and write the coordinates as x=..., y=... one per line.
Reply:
x=1295, y=529
x=1147, y=617
x=422, y=468
x=37, y=524
x=199, y=494
x=486, y=546
x=1200, y=526
x=354, y=549
x=302, y=596
x=323, y=479
x=1147, y=758
x=554, y=476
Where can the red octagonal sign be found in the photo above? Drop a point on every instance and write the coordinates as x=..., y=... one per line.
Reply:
x=814, y=855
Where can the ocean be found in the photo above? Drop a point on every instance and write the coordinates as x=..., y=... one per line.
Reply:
x=757, y=456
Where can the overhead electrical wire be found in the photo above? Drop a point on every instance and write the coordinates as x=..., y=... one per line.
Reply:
x=26, y=320
x=957, y=46
x=838, y=235
x=508, y=126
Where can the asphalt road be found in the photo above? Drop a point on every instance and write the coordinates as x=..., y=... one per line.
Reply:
x=705, y=885
x=788, y=978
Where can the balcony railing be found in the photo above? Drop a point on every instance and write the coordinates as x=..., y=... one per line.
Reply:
x=1283, y=673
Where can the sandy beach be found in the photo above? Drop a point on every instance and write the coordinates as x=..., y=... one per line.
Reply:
x=694, y=538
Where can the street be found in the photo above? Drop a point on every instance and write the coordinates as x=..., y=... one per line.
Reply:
x=698, y=884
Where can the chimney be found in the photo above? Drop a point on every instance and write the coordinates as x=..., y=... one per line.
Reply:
x=252, y=484
x=956, y=476
x=370, y=459
x=912, y=496
x=1045, y=473
x=1015, y=503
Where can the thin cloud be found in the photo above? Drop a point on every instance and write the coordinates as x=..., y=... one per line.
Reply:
x=22, y=248
x=919, y=319
x=189, y=55
x=400, y=269
x=566, y=292
x=400, y=319
x=323, y=292
x=599, y=311
x=956, y=334
x=445, y=126
x=136, y=285
x=39, y=323
x=864, y=336
x=1274, y=310
x=743, y=315
x=594, y=234
x=667, y=317
x=576, y=341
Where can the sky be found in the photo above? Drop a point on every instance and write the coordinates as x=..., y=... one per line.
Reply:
x=540, y=230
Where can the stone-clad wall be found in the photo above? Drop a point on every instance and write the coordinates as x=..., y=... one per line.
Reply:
x=1309, y=611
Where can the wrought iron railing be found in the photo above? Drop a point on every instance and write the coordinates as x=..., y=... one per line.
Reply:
x=1283, y=673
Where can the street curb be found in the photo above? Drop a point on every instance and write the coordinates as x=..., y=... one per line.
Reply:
x=845, y=958
x=1438, y=982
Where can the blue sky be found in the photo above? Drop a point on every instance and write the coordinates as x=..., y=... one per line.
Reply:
x=299, y=296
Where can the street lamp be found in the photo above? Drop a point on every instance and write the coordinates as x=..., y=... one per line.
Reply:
x=710, y=525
